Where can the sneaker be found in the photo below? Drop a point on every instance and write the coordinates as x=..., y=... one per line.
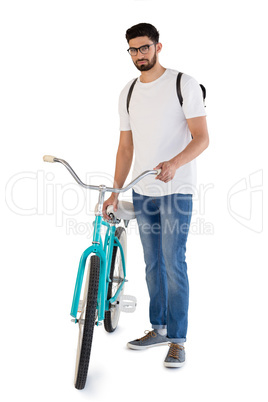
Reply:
x=175, y=356
x=151, y=338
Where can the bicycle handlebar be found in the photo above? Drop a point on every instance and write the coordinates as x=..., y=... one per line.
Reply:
x=52, y=159
x=48, y=158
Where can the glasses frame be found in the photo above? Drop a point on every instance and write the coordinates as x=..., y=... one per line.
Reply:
x=139, y=49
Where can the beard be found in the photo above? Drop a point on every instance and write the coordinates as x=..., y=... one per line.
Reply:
x=148, y=66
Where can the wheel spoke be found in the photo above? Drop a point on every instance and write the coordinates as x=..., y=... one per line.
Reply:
x=117, y=277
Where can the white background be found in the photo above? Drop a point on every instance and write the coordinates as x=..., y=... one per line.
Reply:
x=63, y=65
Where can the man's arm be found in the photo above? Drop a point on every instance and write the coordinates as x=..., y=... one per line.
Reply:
x=124, y=158
x=123, y=163
x=200, y=141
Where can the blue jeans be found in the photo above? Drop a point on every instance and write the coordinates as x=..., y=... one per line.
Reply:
x=163, y=226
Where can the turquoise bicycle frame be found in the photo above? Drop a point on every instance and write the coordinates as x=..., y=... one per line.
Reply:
x=105, y=253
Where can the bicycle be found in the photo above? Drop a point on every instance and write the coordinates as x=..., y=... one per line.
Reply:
x=99, y=295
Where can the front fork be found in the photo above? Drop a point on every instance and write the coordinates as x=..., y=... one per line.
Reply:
x=98, y=248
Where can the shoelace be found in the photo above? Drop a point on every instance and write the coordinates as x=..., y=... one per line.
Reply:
x=148, y=334
x=174, y=350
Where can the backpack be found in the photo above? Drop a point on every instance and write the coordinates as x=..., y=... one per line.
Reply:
x=178, y=84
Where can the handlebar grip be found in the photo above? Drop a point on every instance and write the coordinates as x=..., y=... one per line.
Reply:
x=48, y=158
x=158, y=171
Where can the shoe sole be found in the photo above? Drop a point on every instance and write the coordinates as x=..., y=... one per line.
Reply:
x=173, y=365
x=137, y=347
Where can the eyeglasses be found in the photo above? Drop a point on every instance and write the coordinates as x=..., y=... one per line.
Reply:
x=133, y=51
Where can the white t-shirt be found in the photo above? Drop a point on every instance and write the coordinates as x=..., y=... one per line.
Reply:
x=159, y=129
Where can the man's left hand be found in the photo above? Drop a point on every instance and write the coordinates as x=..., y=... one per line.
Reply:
x=168, y=170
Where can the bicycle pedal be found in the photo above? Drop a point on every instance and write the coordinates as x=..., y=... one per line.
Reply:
x=127, y=303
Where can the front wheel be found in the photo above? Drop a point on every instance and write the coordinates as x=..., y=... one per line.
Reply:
x=86, y=322
x=117, y=277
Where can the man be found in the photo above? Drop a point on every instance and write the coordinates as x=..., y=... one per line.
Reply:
x=166, y=136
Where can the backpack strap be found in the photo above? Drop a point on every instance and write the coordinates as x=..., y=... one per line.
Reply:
x=204, y=91
x=130, y=93
x=179, y=90
x=178, y=84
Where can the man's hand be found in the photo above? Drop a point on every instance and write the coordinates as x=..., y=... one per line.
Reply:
x=112, y=200
x=168, y=170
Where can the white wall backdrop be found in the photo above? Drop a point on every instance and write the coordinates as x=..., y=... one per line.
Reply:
x=63, y=65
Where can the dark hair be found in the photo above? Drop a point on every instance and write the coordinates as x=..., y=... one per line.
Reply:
x=143, y=29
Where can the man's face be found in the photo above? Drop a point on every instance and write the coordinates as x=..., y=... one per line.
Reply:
x=143, y=62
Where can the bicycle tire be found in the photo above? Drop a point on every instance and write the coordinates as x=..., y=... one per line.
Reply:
x=117, y=276
x=87, y=326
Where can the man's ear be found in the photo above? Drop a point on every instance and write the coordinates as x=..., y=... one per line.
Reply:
x=158, y=47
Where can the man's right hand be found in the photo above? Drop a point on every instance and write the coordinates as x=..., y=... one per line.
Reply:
x=112, y=200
